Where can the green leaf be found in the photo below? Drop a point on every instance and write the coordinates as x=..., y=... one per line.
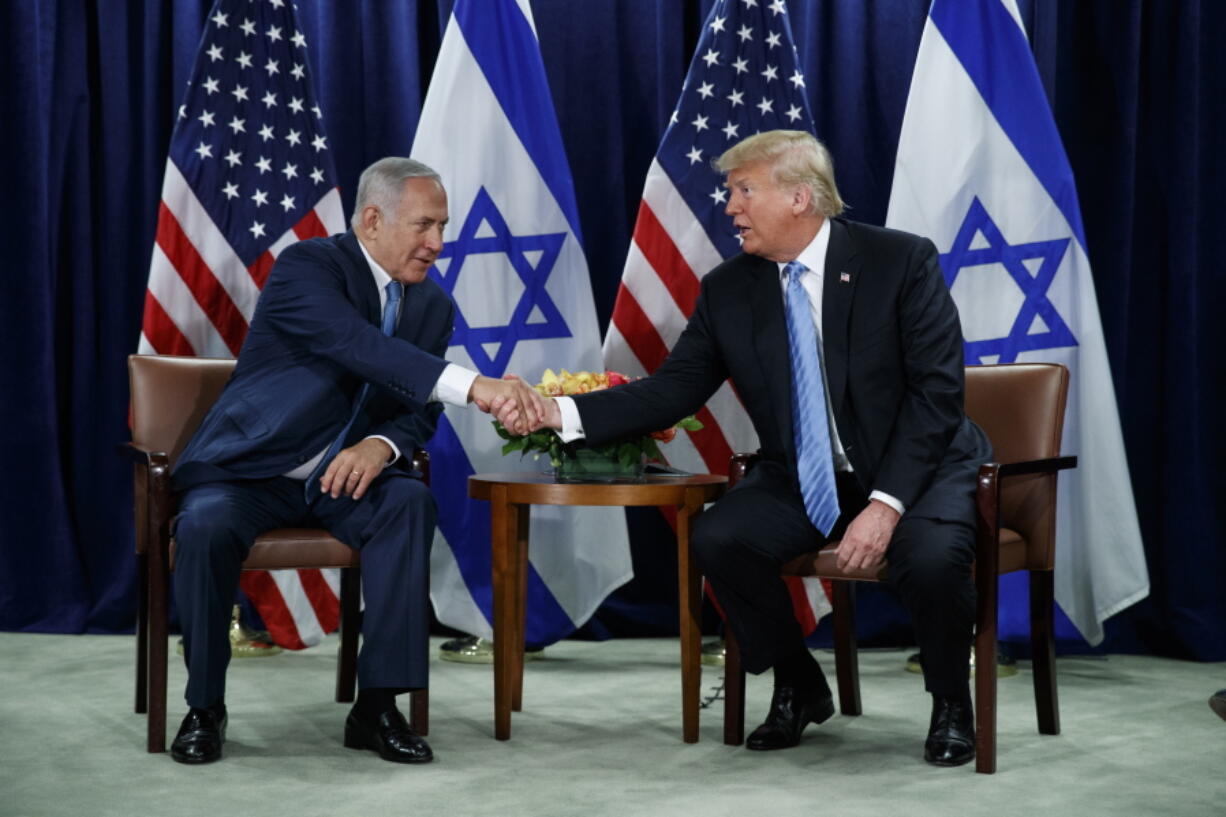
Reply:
x=690, y=423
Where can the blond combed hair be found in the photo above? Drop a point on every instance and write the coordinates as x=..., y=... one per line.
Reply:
x=796, y=157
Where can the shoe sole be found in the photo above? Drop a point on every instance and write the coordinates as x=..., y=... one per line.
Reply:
x=351, y=742
x=1218, y=705
x=950, y=763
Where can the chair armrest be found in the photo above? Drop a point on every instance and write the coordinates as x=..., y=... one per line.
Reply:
x=1048, y=465
x=420, y=462
x=739, y=465
x=151, y=495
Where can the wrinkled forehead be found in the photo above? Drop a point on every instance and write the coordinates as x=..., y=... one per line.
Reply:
x=424, y=196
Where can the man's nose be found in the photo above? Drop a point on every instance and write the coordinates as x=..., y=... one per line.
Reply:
x=435, y=240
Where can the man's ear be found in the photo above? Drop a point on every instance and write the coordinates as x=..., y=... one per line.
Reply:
x=802, y=199
x=371, y=219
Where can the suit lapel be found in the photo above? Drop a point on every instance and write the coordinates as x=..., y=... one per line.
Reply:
x=770, y=339
x=361, y=284
x=838, y=287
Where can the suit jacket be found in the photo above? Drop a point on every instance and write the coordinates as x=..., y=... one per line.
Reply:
x=892, y=345
x=314, y=339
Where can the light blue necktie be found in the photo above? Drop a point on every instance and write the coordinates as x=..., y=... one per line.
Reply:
x=810, y=426
x=390, y=309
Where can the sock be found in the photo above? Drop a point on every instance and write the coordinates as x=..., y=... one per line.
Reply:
x=798, y=669
x=374, y=701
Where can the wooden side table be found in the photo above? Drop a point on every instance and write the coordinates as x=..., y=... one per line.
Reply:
x=511, y=497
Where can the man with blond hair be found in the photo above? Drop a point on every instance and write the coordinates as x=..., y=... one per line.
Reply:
x=845, y=347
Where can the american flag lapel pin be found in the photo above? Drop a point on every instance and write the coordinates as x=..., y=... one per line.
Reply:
x=844, y=278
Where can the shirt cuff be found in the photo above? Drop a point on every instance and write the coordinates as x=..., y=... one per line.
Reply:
x=395, y=451
x=453, y=385
x=572, y=426
x=887, y=499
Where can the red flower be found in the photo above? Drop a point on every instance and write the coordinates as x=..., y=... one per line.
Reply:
x=666, y=435
x=617, y=378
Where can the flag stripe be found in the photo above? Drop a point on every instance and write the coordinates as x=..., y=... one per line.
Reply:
x=638, y=331
x=323, y=599
x=213, y=300
x=502, y=42
x=180, y=303
x=664, y=257
x=1008, y=81
x=310, y=226
x=210, y=243
x=265, y=594
x=157, y=324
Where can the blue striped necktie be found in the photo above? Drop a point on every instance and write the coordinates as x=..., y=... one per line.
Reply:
x=810, y=426
x=390, y=310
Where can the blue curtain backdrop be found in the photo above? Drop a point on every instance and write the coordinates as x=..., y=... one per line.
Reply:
x=89, y=95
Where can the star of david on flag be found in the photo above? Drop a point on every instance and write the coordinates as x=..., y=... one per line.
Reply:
x=513, y=263
x=532, y=257
x=1032, y=266
x=982, y=172
x=744, y=78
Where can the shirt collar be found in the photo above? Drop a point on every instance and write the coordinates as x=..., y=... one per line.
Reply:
x=814, y=255
x=382, y=279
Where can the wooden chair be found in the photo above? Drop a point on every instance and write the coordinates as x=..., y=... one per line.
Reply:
x=170, y=396
x=1021, y=408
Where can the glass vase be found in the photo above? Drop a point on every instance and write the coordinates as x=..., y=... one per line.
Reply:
x=598, y=465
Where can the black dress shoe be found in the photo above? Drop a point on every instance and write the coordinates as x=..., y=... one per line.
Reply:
x=200, y=736
x=951, y=734
x=791, y=710
x=389, y=735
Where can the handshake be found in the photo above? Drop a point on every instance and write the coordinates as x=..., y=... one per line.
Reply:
x=515, y=404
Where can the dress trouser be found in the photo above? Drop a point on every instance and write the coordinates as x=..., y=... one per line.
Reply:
x=743, y=540
x=392, y=525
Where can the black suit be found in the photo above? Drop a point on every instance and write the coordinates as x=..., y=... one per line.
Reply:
x=892, y=348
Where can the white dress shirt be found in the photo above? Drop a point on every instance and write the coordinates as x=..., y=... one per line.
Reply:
x=814, y=257
x=451, y=387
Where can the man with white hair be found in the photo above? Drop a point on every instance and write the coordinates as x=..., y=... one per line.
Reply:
x=845, y=347
x=339, y=377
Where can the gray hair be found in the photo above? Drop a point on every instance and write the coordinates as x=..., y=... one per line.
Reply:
x=382, y=184
x=796, y=157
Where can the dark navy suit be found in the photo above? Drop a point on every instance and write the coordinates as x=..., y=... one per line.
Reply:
x=314, y=339
x=892, y=349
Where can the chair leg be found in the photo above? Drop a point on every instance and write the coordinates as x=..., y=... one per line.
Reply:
x=1043, y=650
x=985, y=673
x=347, y=661
x=419, y=711
x=142, y=633
x=159, y=635
x=734, y=691
x=846, y=658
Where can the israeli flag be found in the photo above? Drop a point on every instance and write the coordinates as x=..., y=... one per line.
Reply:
x=513, y=262
x=982, y=172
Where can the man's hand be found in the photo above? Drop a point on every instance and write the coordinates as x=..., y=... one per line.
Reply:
x=354, y=468
x=867, y=537
x=515, y=404
x=552, y=417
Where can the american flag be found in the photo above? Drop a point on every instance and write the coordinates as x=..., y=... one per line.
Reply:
x=745, y=78
x=249, y=173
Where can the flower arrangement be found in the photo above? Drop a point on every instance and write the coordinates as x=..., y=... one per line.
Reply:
x=626, y=455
